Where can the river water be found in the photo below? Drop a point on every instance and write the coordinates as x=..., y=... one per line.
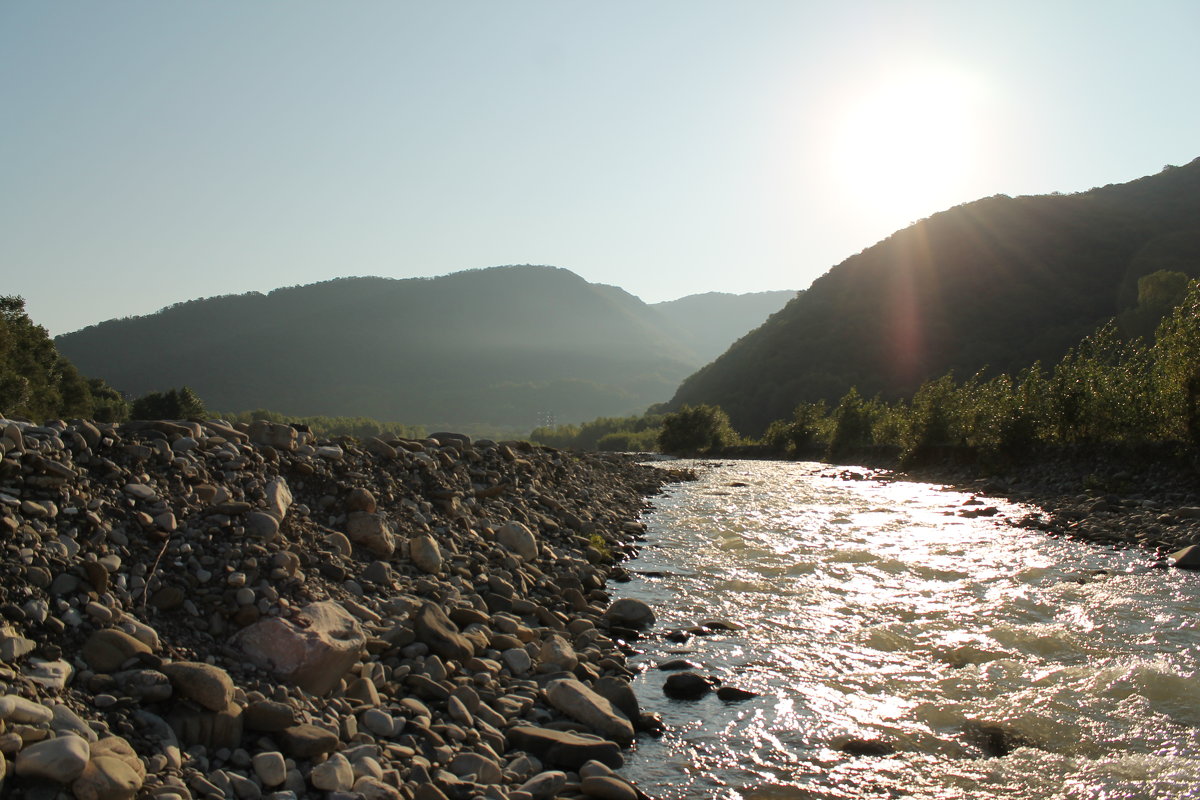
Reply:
x=997, y=662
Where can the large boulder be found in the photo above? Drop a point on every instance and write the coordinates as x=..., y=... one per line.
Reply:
x=581, y=704
x=312, y=650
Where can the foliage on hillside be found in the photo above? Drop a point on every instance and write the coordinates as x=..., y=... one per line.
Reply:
x=1105, y=391
x=497, y=347
x=993, y=285
x=37, y=382
x=633, y=434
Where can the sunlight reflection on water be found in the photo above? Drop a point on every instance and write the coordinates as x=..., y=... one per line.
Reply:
x=996, y=662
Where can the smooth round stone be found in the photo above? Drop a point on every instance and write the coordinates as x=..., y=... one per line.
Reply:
x=378, y=722
x=270, y=768
x=607, y=787
x=61, y=759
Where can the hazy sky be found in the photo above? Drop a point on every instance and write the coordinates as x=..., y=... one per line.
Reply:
x=156, y=151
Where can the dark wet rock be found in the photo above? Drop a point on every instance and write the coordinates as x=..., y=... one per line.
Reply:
x=866, y=747
x=1187, y=558
x=629, y=612
x=677, y=664
x=733, y=694
x=997, y=740
x=688, y=685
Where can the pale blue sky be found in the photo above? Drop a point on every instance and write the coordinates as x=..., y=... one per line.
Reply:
x=156, y=151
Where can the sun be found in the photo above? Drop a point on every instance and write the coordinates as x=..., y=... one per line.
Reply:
x=907, y=146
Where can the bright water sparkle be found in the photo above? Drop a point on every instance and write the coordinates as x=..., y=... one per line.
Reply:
x=875, y=610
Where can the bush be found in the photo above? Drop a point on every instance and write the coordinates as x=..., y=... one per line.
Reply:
x=696, y=429
x=180, y=403
x=852, y=424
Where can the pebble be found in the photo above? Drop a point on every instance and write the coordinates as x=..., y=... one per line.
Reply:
x=164, y=541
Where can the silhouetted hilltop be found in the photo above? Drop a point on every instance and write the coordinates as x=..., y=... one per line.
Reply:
x=1000, y=282
x=505, y=346
x=714, y=320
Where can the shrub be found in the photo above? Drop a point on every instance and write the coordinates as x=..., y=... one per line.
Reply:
x=696, y=429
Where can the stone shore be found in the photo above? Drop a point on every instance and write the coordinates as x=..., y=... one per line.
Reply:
x=1104, y=499
x=194, y=610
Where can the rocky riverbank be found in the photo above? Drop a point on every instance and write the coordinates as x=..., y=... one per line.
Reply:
x=1149, y=500
x=194, y=610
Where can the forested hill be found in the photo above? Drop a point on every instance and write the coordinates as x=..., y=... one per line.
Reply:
x=999, y=282
x=504, y=346
x=714, y=320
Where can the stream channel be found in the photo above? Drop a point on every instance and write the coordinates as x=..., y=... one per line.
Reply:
x=994, y=661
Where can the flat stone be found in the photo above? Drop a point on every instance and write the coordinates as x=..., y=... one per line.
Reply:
x=208, y=685
x=307, y=741
x=106, y=650
x=17, y=709
x=269, y=716
x=435, y=629
x=545, y=785
x=61, y=759
x=107, y=778
x=53, y=675
x=607, y=787
x=564, y=749
x=581, y=704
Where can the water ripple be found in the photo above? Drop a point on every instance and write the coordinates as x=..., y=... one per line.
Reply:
x=993, y=661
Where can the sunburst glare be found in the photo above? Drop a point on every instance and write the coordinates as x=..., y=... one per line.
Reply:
x=907, y=146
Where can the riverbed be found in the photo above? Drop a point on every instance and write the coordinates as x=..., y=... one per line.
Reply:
x=906, y=640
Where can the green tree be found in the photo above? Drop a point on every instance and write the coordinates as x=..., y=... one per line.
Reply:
x=696, y=429
x=852, y=423
x=182, y=403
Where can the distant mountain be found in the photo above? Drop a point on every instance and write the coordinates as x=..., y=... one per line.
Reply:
x=713, y=321
x=508, y=346
x=999, y=283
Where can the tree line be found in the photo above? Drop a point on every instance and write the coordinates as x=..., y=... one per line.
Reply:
x=1111, y=389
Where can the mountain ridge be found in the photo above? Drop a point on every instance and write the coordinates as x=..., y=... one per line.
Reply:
x=506, y=346
x=997, y=283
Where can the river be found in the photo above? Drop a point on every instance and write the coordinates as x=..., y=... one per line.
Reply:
x=995, y=661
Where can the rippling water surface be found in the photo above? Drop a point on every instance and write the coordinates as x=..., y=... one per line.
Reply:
x=998, y=663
